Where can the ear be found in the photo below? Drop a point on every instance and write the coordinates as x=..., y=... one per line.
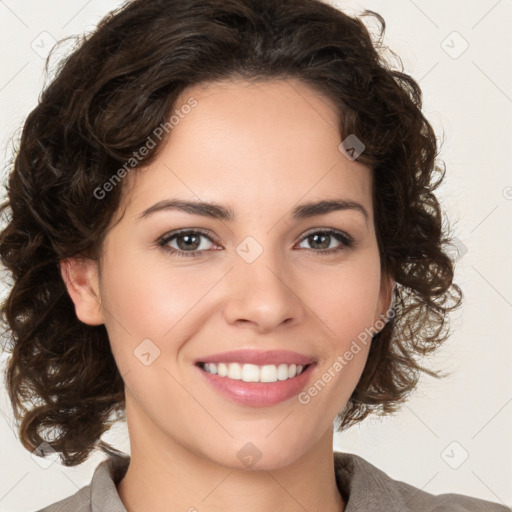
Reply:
x=80, y=276
x=387, y=288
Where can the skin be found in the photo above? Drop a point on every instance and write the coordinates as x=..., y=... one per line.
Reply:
x=260, y=149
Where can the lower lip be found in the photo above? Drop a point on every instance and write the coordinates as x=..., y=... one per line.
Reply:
x=259, y=394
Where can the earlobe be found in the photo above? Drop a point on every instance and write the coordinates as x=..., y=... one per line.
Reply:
x=81, y=279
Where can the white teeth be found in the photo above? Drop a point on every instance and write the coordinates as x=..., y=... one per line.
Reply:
x=211, y=368
x=222, y=370
x=254, y=373
x=250, y=373
x=235, y=371
x=268, y=373
x=282, y=372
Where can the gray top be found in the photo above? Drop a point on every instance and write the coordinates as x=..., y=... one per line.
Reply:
x=364, y=487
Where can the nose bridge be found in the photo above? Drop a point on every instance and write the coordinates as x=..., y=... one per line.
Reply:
x=262, y=292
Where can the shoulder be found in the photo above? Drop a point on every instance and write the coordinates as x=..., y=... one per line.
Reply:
x=79, y=502
x=367, y=488
x=101, y=493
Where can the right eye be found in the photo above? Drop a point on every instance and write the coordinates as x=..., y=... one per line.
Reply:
x=188, y=242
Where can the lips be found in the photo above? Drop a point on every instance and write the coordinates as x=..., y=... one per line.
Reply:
x=258, y=394
x=257, y=357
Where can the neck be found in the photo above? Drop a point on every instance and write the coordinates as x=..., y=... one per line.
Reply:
x=173, y=477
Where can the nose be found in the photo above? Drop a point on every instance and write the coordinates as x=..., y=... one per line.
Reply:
x=262, y=296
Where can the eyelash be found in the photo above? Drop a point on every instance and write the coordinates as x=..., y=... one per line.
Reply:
x=347, y=242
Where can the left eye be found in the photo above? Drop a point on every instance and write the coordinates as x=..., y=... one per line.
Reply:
x=189, y=242
x=323, y=238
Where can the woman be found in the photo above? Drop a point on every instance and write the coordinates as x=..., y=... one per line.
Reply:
x=224, y=230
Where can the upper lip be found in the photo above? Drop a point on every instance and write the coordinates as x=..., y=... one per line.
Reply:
x=258, y=357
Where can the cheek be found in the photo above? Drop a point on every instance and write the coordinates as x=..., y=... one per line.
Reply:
x=148, y=299
x=346, y=298
x=347, y=313
x=159, y=303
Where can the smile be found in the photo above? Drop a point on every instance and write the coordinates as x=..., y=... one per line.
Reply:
x=256, y=386
x=254, y=373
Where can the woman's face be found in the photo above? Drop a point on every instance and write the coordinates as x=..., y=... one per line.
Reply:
x=269, y=278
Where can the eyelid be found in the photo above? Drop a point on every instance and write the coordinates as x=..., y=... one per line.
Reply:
x=165, y=239
x=203, y=231
x=326, y=230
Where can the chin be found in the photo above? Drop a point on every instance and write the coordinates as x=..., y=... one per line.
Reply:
x=259, y=455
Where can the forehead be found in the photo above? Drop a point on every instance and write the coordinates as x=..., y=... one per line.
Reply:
x=272, y=142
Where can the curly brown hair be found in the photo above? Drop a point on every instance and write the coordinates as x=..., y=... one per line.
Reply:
x=109, y=95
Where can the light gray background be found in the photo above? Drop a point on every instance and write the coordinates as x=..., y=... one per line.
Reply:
x=468, y=99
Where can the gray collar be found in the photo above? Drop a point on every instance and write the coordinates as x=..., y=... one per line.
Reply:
x=364, y=487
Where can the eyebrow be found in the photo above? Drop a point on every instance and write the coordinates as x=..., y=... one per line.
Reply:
x=217, y=211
